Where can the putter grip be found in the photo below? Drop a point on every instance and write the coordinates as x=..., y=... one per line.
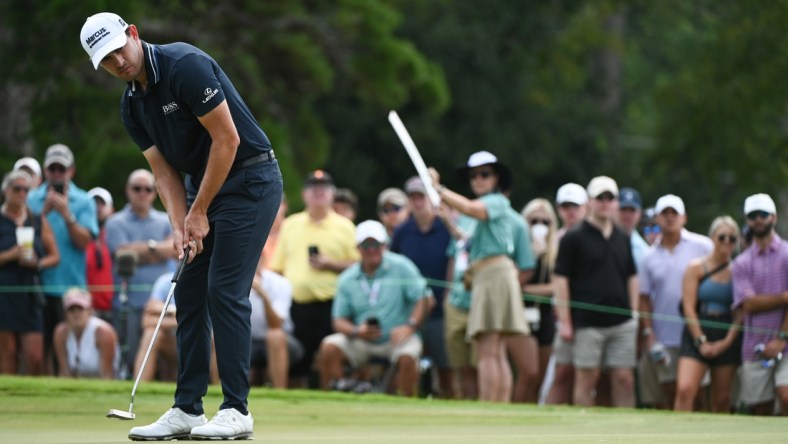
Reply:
x=181, y=264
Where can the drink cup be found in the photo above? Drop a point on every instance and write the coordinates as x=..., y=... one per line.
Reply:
x=24, y=238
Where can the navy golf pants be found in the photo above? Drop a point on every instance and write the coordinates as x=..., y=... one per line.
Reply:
x=213, y=290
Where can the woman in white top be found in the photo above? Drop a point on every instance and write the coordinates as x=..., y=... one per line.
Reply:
x=86, y=346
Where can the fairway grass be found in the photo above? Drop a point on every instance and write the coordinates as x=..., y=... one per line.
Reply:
x=50, y=410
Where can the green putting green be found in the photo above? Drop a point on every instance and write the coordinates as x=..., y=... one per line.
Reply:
x=50, y=410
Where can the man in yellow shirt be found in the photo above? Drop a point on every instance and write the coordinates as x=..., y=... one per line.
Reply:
x=315, y=245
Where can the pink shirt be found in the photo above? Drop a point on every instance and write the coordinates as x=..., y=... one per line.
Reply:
x=765, y=273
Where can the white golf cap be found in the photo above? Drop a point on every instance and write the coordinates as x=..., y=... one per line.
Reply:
x=669, y=201
x=102, y=194
x=481, y=158
x=60, y=154
x=29, y=163
x=571, y=193
x=759, y=202
x=602, y=184
x=371, y=229
x=101, y=34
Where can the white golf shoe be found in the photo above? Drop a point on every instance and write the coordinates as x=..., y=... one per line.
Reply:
x=173, y=424
x=226, y=424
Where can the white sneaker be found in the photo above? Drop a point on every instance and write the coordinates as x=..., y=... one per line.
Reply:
x=226, y=424
x=174, y=424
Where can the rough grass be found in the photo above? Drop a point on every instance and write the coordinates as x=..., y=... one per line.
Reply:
x=49, y=410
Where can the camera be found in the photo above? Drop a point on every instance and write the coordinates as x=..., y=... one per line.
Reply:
x=313, y=251
x=58, y=187
x=373, y=322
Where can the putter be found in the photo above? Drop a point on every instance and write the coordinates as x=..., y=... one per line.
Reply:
x=128, y=416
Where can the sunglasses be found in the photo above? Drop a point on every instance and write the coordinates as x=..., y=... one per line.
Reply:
x=370, y=245
x=20, y=188
x=55, y=168
x=484, y=174
x=390, y=209
x=606, y=197
x=727, y=238
x=568, y=205
x=651, y=229
x=140, y=189
x=545, y=222
x=752, y=215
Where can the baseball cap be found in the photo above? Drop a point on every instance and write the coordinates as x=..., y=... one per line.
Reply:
x=101, y=34
x=602, y=184
x=629, y=198
x=415, y=185
x=571, y=193
x=669, y=201
x=393, y=196
x=29, y=163
x=102, y=194
x=371, y=229
x=319, y=177
x=76, y=297
x=59, y=153
x=759, y=202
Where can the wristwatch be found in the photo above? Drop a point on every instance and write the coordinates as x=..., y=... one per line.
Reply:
x=152, y=244
x=71, y=219
x=413, y=324
x=700, y=340
x=647, y=331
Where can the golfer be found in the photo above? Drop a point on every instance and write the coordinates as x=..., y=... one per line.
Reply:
x=186, y=116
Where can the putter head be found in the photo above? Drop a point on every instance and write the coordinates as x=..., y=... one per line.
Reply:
x=120, y=414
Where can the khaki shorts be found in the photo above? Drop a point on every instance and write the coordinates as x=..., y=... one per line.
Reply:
x=759, y=385
x=358, y=351
x=461, y=353
x=606, y=347
x=562, y=350
x=651, y=375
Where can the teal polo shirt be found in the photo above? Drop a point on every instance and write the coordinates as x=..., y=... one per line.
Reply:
x=493, y=236
x=389, y=295
x=71, y=270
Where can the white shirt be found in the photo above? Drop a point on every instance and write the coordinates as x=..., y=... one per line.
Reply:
x=280, y=293
x=84, y=359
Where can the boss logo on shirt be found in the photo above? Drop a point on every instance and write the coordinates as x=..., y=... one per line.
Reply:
x=209, y=93
x=170, y=108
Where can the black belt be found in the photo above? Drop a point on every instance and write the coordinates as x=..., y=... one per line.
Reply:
x=249, y=161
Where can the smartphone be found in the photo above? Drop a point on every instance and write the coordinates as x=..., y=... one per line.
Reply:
x=58, y=187
x=373, y=322
x=313, y=251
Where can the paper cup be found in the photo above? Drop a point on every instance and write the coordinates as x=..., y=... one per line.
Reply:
x=24, y=238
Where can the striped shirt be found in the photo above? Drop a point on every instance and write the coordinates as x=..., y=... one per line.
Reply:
x=762, y=272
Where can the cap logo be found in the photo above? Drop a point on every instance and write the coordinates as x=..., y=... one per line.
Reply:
x=92, y=40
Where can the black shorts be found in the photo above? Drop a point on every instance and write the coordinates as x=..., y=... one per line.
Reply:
x=546, y=332
x=731, y=356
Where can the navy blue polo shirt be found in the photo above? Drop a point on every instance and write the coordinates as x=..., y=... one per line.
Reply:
x=428, y=252
x=185, y=83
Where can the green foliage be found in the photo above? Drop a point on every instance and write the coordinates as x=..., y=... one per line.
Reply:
x=667, y=96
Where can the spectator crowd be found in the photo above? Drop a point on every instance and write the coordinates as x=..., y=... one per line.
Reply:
x=590, y=298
